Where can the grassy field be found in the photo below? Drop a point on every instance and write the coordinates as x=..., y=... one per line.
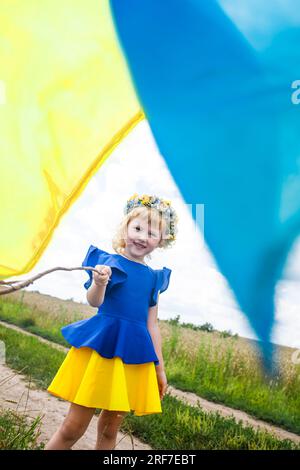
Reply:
x=227, y=371
x=179, y=427
x=215, y=366
x=16, y=433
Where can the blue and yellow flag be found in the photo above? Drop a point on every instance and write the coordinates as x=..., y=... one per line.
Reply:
x=66, y=101
x=219, y=83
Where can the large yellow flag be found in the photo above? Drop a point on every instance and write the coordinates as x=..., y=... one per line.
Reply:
x=66, y=101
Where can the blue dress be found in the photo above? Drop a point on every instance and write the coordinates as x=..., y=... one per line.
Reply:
x=117, y=335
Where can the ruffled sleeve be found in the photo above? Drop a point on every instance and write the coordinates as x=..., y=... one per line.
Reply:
x=96, y=256
x=161, y=284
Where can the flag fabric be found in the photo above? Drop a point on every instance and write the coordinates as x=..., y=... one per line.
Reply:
x=66, y=102
x=215, y=80
x=218, y=82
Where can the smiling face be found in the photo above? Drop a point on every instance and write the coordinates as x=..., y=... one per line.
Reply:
x=143, y=236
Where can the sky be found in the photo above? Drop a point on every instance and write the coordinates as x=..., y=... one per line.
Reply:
x=197, y=292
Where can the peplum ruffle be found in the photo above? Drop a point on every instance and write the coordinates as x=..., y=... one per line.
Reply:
x=112, y=336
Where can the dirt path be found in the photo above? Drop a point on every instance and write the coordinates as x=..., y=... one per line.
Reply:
x=193, y=399
x=18, y=394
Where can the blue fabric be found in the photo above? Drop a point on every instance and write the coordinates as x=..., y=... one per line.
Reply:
x=161, y=284
x=96, y=256
x=120, y=326
x=217, y=83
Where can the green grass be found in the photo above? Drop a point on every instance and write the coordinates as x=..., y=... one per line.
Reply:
x=185, y=427
x=179, y=426
x=217, y=369
x=227, y=375
x=35, y=321
x=16, y=433
x=33, y=358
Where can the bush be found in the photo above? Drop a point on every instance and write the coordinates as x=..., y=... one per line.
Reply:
x=25, y=322
x=174, y=321
x=225, y=333
x=207, y=327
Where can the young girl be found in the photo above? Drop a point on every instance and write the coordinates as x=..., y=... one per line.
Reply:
x=115, y=361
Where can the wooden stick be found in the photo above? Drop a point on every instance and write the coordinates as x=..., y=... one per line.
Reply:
x=8, y=287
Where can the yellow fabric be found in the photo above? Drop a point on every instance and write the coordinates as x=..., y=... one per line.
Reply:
x=88, y=379
x=66, y=101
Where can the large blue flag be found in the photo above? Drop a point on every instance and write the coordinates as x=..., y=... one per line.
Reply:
x=218, y=84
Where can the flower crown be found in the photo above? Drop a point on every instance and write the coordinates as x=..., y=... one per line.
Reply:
x=162, y=205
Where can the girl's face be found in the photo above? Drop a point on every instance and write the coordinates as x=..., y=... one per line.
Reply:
x=142, y=237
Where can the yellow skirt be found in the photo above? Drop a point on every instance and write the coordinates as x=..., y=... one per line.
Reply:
x=88, y=379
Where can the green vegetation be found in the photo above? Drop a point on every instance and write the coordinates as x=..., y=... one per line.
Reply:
x=188, y=427
x=179, y=426
x=44, y=324
x=220, y=371
x=16, y=433
x=214, y=365
x=205, y=327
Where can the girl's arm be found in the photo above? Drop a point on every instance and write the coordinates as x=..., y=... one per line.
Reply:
x=95, y=295
x=154, y=330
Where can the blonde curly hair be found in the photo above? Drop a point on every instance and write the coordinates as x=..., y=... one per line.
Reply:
x=154, y=218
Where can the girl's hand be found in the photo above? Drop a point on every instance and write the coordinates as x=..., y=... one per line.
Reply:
x=102, y=278
x=162, y=383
